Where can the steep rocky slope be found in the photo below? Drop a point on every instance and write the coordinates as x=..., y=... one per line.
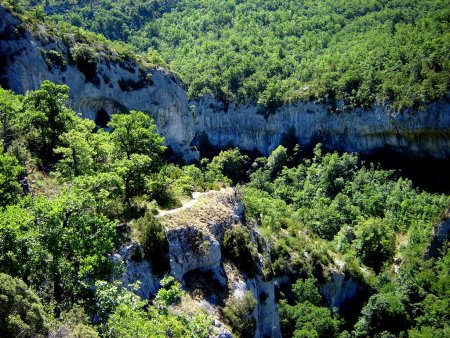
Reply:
x=421, y=134
x=195, y=236
x=28, y=57
x=440, y=235
x=112, y=85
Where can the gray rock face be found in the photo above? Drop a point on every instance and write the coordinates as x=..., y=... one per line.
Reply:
x=419, y=135
x=194, y=244
x=441, y=234
x=23, y=67
x=191, y=249
x=339, y=290
x=136, y=268
x=424, y=134
x=266, y=311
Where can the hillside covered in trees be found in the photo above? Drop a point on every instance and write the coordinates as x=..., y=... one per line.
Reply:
x=66, y=188
x=273, y=53
x=311, y=243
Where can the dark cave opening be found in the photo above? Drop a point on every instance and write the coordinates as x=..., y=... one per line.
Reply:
x=102, y=118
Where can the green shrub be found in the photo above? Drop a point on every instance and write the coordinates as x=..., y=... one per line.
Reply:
x=108, y=296
x=10, y=172
x=21, y=311
x=86, y=59
x=374, y=243
x=231, y=163
x=170, y=293
x=72, y=324
x=238, y=314
x=53, y=58
x=152, y=236
x=306, y=290
x=306, y=320
x=238, y=247
x=383, y=312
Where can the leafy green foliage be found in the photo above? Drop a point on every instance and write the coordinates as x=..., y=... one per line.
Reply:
x=9, y=107
x=10, y=172
x=231, y=163
x=238, y=314
x=116, y=20
x=72, y=324
x=86, y=59
x=109, y=296
x=54, y=244
x=135, y=133
x=131, y=152
x=365, y=214
x=277, y=159
x=152, y=236
x=44, y=118
x=383, y=312
x=374, y=243
x=21, y=310
x=273, y=53
x=129, y=322
x=238, y=246
x=133, y=321
x=306, y=318
x=306, y=291
x=138, y=146
x=76, y=150
x=170, y=293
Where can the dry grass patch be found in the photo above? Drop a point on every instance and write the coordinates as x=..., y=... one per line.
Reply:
x=42, y=184
x=211, y=208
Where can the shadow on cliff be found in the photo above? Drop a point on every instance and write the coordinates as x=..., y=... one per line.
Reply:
x=431, y=175
x=203, y=284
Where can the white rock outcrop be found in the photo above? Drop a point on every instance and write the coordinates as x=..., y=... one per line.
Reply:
x=195, y=234
x=339, y=290
x=137, y=269
x=420, y=135
x=266, y=310
x=440, y=235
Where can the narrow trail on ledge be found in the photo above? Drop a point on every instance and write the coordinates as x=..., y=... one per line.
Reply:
x=186, y=205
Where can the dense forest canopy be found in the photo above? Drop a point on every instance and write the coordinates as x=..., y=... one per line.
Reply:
x=73, y=194
x=66, y=187
x=272, y=52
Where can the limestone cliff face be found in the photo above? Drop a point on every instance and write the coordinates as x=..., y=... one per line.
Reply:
x=344, y=293
x=420, y=135
x=441, y=234
x=195, y=234
x=28, y=58
x=136, y=268
x=266, y=310
x=123, y=85
x=195, y=237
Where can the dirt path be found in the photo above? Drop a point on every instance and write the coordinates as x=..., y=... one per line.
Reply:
x=186, y=205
